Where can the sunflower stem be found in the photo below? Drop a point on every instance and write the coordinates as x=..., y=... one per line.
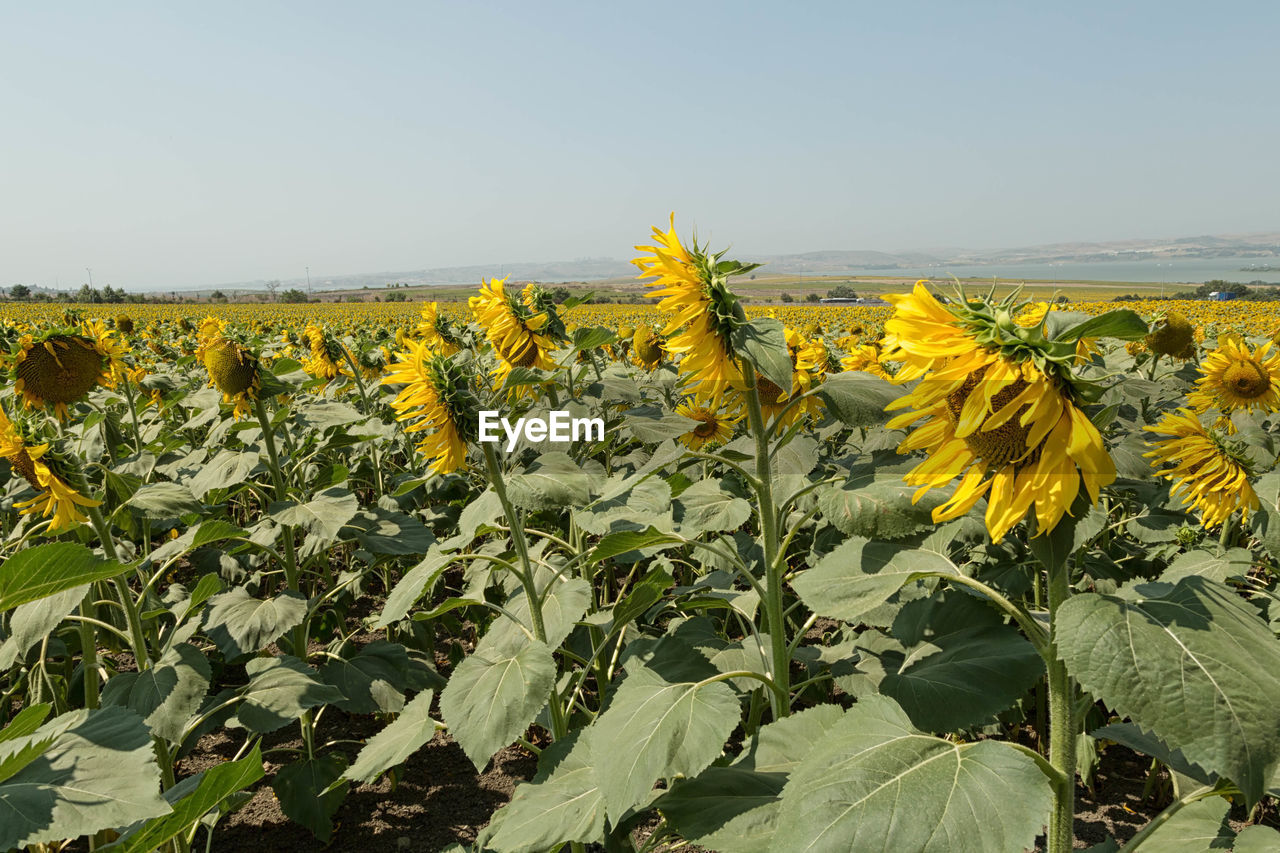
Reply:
x=773, y=561
x=559, y=726
x=1062, y=721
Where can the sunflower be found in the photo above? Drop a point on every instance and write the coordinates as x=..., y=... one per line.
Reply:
x=1171, y=334
x=1210, y=473
x=1234, y=377
x=808, y=365
x=325, y=359
x=523, y=330
x=234, y=371
x=865, y=358
x=55, y=498
x=703, y=312
x=60, y=367
x=714, y=425
x=435, y=394
x=647, y=348
x=437, y=331
x=1000, y=409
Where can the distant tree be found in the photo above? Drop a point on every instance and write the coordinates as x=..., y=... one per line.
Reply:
x=354, y=297
x=112, y=294
x=397, y=297
x=560, y=294
x=272, y=286
x=842, y=291
x=88, y=294
x=19, y=291
x=293, y=295
x=813, y=297
x=787, y=297
x=217, y=296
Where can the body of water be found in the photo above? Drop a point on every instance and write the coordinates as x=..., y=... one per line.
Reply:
x=1177, y=270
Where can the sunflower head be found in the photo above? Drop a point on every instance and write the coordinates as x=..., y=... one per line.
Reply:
x=435, y=397
x=647, y=347
x=1170, y=335
x=714, y=426
x=523, y=328
x=124, y=323
x=1236, y=376
x=55, y=498
x=1211, y=471
x=626, y=332
x=437, y=331
x=234, y=371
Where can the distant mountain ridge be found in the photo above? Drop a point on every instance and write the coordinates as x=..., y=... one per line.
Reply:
x=833, y=261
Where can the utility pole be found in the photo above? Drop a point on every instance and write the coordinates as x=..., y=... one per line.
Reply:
x=308, y=281
x=90, y=272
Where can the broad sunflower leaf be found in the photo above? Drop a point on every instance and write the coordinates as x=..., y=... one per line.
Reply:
x=630, y=540
x=860, y=575
x=240, y=624
x=165, y=695
x=191, y=799
x=98, y=771
x=551, y=482
x=392, y=746
x=764, y=342
x=593, y=338
x=564, y=601
x=373, y=680
x=878, y=784
x=33, y=621
x=307, y=793
x=1257, y=839
x=657, y=729
x=561, y=804
x=879, y=508
x=165, y=500
x=323, y=516
x=858, y=399
x=707, y=506
x=1200, y=827
x=495, y=693
x=1121, y=323
x=34, y=573
x=1196, y=667
x=224, y=471
x=383, y=532
x=412, y=585
x=279, y=690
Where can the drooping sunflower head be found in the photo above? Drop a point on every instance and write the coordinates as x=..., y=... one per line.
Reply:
x=692, y=286
x=234, y=371
x=60, y=366
x=808, y=366
x=647, y=348
x=124, y=324
x=1210, y=471
x=435, y=397
x=1002, y=408
x=715, y=426
x=1237, y=377
x=326, y=358
x=523, y=329
x=866, y=359
x=1170, y=334
x=55, y=498
x=438, y=331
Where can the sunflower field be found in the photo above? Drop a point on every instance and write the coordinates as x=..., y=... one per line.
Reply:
x=832, y=578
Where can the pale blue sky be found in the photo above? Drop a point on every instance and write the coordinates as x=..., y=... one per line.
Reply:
x=178, y=144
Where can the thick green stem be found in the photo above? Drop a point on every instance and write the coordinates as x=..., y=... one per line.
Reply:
x=1062, y=724
x=559, y=726
x=125, y=595
x=775, y=565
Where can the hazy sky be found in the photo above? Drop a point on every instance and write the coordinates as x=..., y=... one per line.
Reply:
x=178, y=144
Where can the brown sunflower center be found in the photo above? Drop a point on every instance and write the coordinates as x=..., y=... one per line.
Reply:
x=708, y=426
x=231, y=368
x=1247, y=379
x=60, y=369
x=648, y=348
x=523, y=354
x=22, y=463
x=1007, y=442
x=769, y=392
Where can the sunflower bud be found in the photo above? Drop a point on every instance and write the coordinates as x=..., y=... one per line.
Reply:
x=1171, y=335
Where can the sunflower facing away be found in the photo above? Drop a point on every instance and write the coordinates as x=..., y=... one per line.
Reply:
x=234, y=371
x=61, y=367
x=808, y=366
x=56, y=499
x=703, y=311
x=1000, y=412
x=865, y=358
x=436, y=396
x=1234, y=377
x=715, y=426
x=325, y=359
x=523, y=329
x=647, y=348
x=1210, y=473
x=437, y=331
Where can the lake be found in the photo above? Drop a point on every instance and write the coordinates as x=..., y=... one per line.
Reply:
x=1176, y=270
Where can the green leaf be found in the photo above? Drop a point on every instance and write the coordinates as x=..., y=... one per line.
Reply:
x=562, y=804
x=879, y=509
x=240, y=624
x=564, y=602
x=1257, y=839
x=225, y=471
x=32, y=622
x=630, y=540
x=98, y=772
x=1196, y=667
x=165, y=695
x=859, y=576
x=373, y=681
x=495, y=693
x=1198, y=827
x=324, y=516
x=1236, y=562
x=592, y=338
x=962, y=665
x=413, y=585
x=658, y=729
x=1121, y=323
x=165, y=500
x=707, y=507
x=25, y=721
x=305, y=792
x=644, y=593
x=878, y=784
x=392, y=746
x=34, y=573
x=858, y=399
x=210, y=788
x=390, y=533
x=279, y=690
x=554, y=480
x=764, y=343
